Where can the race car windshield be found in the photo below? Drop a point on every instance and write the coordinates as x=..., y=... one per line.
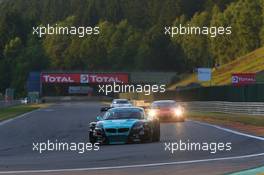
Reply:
x=164, y=104
x=117, y=115
x=121, y=102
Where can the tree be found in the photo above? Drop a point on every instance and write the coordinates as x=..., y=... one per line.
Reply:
x=261, y=34
x=56, y=45
x=195, y=46
x=5, y=74
x=13, y=48
x=245, y=19
x=31, y=58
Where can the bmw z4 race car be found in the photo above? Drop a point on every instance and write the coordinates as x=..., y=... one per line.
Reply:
x=124, y=125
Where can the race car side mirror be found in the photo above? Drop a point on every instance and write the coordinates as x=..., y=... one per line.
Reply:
x=104, y=109
x=99, y=118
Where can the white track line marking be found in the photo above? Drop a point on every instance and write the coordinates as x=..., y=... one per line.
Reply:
x=230, y=130
x=134, y=166
x=18, y=117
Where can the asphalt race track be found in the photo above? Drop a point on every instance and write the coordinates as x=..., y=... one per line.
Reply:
x=68, y=122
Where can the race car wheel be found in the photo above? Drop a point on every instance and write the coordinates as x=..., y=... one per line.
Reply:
x=156, y=131
x=92, y=139
x=148, y=136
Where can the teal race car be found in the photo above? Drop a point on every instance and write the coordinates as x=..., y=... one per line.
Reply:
x=122, y=125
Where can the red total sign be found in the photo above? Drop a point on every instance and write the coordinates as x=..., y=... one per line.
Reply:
x=243, y=78
x=60, y=78
x=108, y=78
x=93, y=78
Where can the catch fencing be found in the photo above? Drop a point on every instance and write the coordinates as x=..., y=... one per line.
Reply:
x=245, y=108
x=249, y=93
x=249, y=108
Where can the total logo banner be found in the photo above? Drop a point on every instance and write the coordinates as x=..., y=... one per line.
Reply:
x=243, y=78
x=93, y=78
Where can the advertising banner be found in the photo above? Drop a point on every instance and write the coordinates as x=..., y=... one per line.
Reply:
x=243, y=78
x=204, y=74
x=93, y=78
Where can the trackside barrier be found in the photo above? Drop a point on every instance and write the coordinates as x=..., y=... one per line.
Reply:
x=249, y=108
x=249, y=93
x=4, y=104
x=74, y=98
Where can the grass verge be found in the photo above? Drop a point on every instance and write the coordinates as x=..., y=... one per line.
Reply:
x=247, y=123
x=13, y=111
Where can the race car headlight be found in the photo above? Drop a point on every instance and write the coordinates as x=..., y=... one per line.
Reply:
x=99, y=129
x=152, y=113
x=99, y=125
x=178, y=111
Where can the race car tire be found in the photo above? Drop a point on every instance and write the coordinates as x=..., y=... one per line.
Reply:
x=156, y=131
x=92, y=139
x=148, y=137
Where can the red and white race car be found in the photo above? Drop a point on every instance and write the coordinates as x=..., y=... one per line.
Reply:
x=167, y=110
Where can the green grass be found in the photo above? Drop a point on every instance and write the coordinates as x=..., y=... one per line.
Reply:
x=222, y=118
x=250, y=63
x=11, y=112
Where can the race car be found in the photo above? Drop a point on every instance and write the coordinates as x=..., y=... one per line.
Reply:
x=120, y=103
x=167, y=110
x=122, y=125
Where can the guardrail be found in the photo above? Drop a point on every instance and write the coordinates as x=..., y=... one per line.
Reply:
x=74, y=98
x=4, y=104
x=250, y=108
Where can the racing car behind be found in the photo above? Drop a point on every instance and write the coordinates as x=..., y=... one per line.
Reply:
x=167, y=110
x=120, y=103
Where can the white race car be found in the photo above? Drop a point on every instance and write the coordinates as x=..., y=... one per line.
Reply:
x=120, y=103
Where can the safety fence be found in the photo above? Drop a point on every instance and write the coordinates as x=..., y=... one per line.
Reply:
x=249, y=93
x=74, y=98
x=224, y=99
x=249, y=108
x=4, y=104
x=246, y=108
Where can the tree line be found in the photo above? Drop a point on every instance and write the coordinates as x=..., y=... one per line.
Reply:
x=131, y=38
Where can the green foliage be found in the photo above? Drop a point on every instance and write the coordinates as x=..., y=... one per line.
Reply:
x=14, y=111
x=261, y=35
x=131, y=35
x=12, y=48
x=195, y=47
x=244, y=17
